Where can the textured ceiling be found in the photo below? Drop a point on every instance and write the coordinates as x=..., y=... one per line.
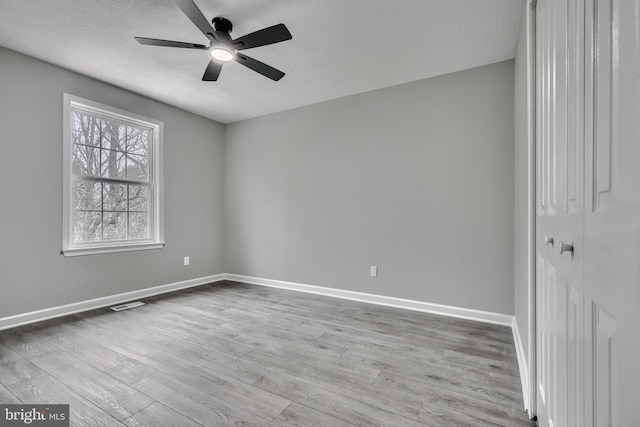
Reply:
x=339, y=47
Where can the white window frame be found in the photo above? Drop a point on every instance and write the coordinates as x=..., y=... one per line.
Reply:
x=69, y=248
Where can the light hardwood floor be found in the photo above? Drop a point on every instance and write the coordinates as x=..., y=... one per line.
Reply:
x=242, y=355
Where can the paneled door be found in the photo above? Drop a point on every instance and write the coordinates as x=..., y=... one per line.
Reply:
x=560, y=214
x=612, y=214
x=588, y=212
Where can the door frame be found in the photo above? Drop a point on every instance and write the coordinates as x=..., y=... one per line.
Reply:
x=530, y=22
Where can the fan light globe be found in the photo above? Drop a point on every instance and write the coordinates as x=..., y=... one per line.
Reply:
x=221, y=54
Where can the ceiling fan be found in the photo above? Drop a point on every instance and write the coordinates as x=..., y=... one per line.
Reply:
x=222, y=47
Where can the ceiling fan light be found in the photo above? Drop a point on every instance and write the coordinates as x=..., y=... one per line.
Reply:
x=222, y=54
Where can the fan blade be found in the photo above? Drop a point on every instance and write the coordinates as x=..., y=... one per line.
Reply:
x=212, y=72
x=275, y=34
x=195, y=15
x=168, y=43
x=259, y=67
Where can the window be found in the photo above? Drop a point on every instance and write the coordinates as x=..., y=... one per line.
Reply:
x=112, y=179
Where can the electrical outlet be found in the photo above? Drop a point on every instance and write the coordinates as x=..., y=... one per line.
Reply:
x=186, y=260
x=373, y=271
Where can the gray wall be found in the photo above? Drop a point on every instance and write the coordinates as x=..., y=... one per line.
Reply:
x=416, y=179
x=522, y=206
x=33, y=274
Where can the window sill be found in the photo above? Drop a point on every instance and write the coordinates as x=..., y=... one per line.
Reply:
x=95, y=250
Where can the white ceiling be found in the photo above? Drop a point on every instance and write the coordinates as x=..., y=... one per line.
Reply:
x=339, y=47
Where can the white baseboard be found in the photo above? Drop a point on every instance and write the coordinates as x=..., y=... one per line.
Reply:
x=426, y=307
x=522, y=363
x=77, y=307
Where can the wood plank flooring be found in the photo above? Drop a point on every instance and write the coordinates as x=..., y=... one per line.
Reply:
x=231, y=354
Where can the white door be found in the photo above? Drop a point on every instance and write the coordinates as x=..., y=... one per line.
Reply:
x=560, y=213
x=588, y=212
x=612, y=214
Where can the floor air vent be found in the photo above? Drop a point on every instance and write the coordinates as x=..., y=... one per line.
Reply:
x=127, y=306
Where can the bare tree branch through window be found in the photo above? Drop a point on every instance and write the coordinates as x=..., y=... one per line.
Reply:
x=111, y=179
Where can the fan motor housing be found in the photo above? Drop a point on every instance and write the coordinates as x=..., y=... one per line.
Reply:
x=222, y=24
